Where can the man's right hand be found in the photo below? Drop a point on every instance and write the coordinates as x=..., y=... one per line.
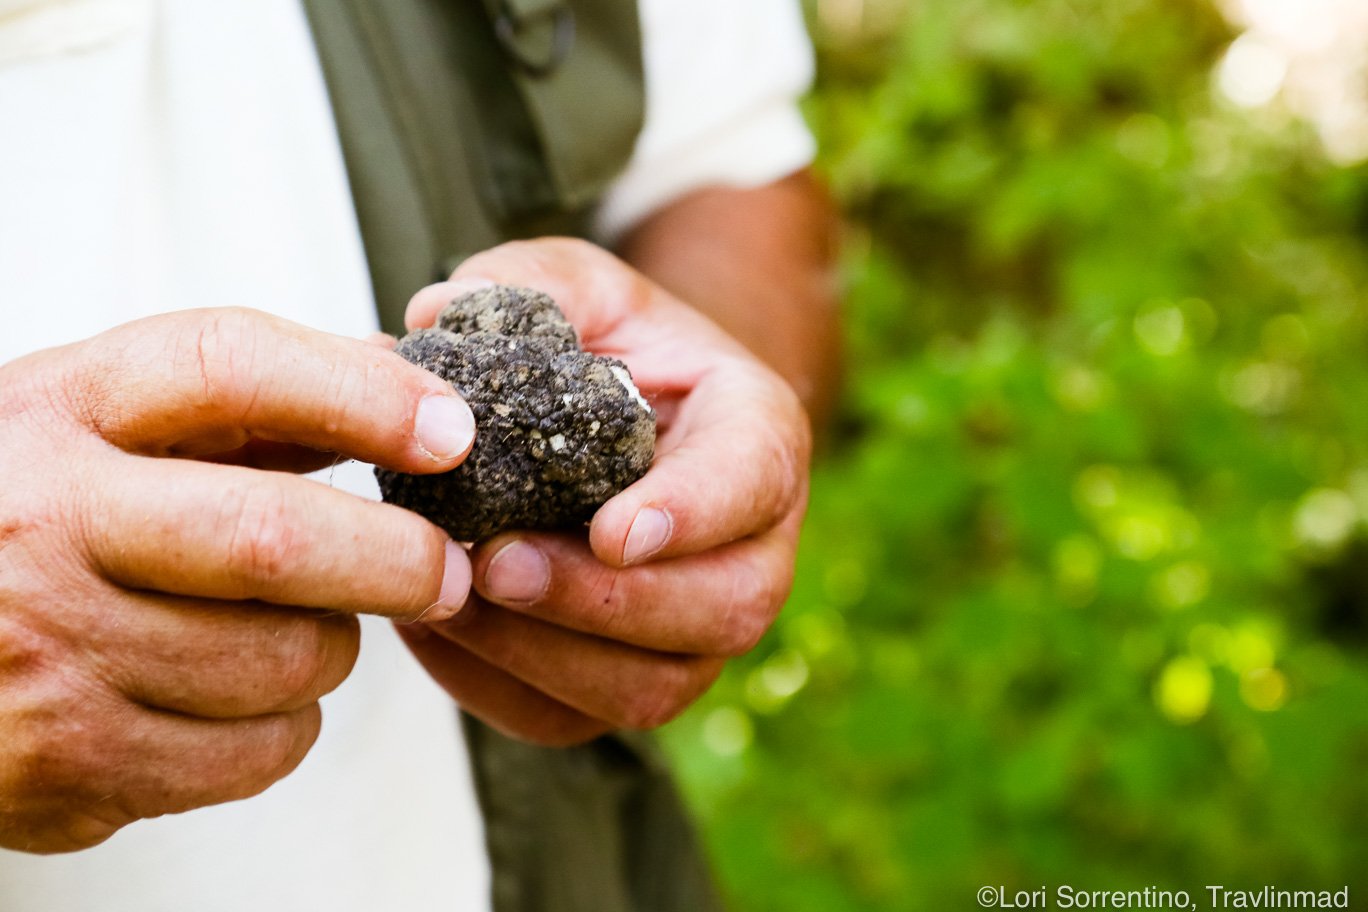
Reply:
x=167, y=625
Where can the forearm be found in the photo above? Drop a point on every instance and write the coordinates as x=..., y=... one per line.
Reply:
x=758, y=262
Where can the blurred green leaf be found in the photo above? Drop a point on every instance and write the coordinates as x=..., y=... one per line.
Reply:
x=1083, y=593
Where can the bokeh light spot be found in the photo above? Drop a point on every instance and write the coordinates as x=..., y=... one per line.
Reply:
x=771, y=685
x=1324, y=518
x=1162, y=331
x=1250, y=647
x=1184, y=689
x=1252, y=72
x=728, y=731
x=1097, y=487
x=1182, y=585
x=1262, y=387
x=1264, y=689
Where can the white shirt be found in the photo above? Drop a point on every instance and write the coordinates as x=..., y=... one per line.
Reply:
x=163, y=154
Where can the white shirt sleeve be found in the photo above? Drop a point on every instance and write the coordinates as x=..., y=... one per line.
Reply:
x=163, y=154
x=723, y=80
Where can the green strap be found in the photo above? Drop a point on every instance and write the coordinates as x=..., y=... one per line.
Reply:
x=597, y=828
x=579, y=118
x=453, y=146
x=585, y=98
x=413, y=183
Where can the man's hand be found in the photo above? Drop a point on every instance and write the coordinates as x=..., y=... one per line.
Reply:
x=573, y=635
x=167, y=625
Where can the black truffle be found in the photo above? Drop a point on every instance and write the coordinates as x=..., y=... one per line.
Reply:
x=559, y=430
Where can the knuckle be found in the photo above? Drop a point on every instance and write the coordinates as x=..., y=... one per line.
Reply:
x=89, y=385
x=13, y=527
x=32, y=524
x=278, y=746
x=219, y=348
x=33, y=392
x=789, y=459
x=55, y=748
x=323, y=655
x=669, y=693
x=261, y=543
x=60, y=748
x=750, y=608
x=23, y=649
x=302, y=664
x=343, y=639
x=33, y=765
x=781, y=445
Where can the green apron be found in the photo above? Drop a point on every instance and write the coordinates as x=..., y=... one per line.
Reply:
x=466, y=123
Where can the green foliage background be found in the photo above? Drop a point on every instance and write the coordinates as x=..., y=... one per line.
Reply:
x=1082, y=593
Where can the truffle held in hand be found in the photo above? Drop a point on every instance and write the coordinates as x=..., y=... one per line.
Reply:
x=559, y=430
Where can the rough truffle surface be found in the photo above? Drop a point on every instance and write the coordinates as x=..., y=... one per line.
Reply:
x=559, y=430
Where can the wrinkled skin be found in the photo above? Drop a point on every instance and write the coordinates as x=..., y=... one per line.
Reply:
x=170, y=612
x=575, y=634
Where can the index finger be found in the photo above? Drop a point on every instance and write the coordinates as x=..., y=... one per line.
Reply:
x=615, y=309
x=594, y=289
x=231, y=375
x=235, y=534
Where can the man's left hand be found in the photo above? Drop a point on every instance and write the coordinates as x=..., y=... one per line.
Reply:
x=571, y=636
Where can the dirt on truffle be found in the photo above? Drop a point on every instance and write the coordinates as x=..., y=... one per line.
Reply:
x=559, y=431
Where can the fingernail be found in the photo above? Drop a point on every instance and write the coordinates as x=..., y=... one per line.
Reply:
x=455, y=585
x=444, y=426
x=518, y=573
x=650, y=531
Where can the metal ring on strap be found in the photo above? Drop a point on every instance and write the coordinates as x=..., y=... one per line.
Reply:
x=562, y=41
